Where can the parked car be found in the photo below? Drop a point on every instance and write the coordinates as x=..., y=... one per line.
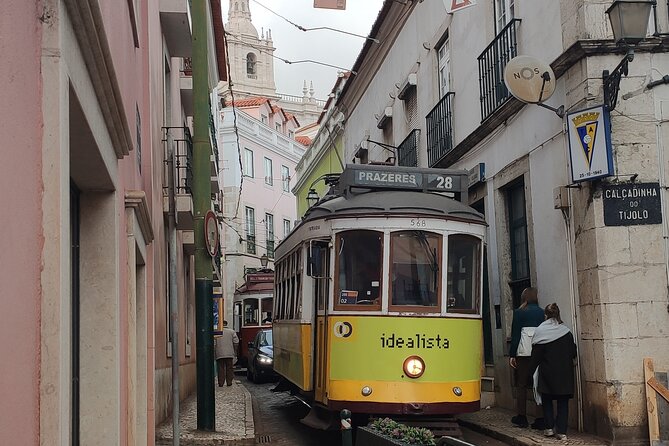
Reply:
x=260, y=357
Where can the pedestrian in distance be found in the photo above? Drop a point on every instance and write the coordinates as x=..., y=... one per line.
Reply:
x=226, y=354
x=553, y=352
x=526, y=318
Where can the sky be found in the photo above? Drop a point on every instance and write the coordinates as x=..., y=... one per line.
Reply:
x=321, y=45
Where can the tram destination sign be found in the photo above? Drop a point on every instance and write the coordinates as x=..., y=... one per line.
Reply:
x=434, y=180
x=632, y=204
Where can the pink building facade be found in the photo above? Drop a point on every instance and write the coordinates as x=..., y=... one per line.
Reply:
x=92, y=90
x=259, y=208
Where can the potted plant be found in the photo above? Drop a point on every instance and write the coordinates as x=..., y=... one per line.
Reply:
x=386, y=432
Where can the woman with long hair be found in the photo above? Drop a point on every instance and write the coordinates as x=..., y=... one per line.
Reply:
x=527, y=316
x=553, y=352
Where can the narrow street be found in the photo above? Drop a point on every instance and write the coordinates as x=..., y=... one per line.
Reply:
x=277, y=421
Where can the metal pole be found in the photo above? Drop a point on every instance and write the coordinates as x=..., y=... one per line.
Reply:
x=204, y=317
x=172, y=271
x=346, y=432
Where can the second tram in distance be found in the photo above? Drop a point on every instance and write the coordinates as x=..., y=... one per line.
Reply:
x=377, y=300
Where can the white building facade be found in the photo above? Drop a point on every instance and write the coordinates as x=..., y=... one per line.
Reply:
x=431, y=94
x=258, y=163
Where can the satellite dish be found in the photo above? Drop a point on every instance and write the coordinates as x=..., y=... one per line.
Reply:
x=529, y=79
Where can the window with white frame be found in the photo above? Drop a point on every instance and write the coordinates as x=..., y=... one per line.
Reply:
x=269, y=231
x=444, y=58
x=268, y=172
x=291, y=134
x=277, y=126
x=250, y=230
x=286, y=227
x=248, y=163
x=264, y=119
x=504, y=13
x=285, y=178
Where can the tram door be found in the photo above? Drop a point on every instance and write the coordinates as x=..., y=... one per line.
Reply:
x=319, y=271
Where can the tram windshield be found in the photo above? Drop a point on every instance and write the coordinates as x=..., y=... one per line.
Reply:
x=359, y=265
x=464, y=253
x=415, y=257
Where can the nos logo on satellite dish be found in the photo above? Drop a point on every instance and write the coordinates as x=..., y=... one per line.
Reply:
x=529, y=79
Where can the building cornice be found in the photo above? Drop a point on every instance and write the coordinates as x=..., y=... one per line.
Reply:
x=136, y=199
x=575, y=53
x=90, y=33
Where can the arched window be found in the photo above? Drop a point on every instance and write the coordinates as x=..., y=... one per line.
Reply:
x=251, y=63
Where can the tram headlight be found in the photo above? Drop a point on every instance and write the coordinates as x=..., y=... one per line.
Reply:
x=414, y=366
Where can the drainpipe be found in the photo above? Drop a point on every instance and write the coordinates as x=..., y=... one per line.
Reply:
x=204, y=317
x=172, y=271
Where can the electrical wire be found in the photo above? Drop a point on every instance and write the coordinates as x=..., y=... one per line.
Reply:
x=302, y=28
x=287, y=61
x=234, y=123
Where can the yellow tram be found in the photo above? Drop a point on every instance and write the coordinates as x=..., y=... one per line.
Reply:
x=377, y=300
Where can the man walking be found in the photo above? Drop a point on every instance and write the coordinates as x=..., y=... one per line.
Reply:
x=226, y=353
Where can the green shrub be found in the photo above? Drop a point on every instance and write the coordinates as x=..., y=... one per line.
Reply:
x=407, y=434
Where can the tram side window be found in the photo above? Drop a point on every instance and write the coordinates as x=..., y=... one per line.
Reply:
x=359, y=266
x=266, y=310
x=250, y=312
x=287, y=299
x=415, y=260
x=464, y=264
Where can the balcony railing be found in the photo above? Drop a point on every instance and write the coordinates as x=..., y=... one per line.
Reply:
x=439, y=123
x=492, y=62
x=183, y=159
x=407, y=151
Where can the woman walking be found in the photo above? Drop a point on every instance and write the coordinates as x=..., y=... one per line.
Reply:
x=553, y=352
x=527, y=316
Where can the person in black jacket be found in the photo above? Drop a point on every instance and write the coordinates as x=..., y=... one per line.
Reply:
x=553, y=352
x=528, y=314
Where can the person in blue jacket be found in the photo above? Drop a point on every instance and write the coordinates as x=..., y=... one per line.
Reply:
x=528, y=314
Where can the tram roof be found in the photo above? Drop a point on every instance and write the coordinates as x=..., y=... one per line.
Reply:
x=377, y=202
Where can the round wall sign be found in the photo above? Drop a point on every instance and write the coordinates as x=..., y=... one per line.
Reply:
x=524, y=77
x=211, y=232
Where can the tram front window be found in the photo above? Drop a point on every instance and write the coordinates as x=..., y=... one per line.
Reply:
x=464, y=263
x=415, y=257
x=359, y=265
x=250, y=312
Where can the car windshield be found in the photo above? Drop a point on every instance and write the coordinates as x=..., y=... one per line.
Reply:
x=265, y=339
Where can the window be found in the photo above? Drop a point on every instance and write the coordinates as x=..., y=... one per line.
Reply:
x=277, y=126
x=266, y=311
x=504, y=12
x=286, y=227
x=285, y=178
x=359, y=265
x=291, y=134
x=288, y=287
x=269, y=234
x=520, y=259
x=250, y=230
x=464, y=265
x=444, y=58
x=248, y=163
x=415, y=257
x=264, y=119
x=268, y=172
x=251, y=64
x=250, y=312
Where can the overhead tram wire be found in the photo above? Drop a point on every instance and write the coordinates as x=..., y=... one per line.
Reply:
x=302, y=28
x=234, y=124
x=287, y=61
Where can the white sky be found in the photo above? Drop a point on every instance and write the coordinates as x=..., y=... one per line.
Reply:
x=322, y=45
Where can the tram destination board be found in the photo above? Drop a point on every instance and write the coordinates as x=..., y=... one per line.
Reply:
x=632, y=204
x=398, y=178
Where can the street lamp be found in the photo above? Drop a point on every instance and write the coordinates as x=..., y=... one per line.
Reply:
x=263, y=260
x=629, y=22
x=312, y=198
